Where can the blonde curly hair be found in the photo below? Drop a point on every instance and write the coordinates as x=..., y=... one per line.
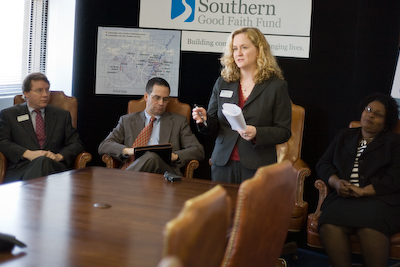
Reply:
x=267, y=66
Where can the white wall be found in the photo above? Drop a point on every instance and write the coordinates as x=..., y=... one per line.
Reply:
x=60, y=44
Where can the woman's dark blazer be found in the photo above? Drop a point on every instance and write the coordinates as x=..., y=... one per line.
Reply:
x=268, y=108
x=379, y=164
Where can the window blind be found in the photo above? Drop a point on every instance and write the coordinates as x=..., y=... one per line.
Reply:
x=23, y=24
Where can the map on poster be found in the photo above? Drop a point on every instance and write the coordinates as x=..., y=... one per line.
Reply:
x=128, y=57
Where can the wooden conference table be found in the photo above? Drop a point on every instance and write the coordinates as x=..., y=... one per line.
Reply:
x=56, y=217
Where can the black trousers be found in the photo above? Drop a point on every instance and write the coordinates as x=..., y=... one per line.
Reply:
x=42, y=166
x=232, y=172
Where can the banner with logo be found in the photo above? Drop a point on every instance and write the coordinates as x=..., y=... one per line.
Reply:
x=287, y=21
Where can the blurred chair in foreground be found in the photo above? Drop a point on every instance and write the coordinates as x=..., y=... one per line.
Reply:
x=197, y=236
x=174, y=106
x=262, y=217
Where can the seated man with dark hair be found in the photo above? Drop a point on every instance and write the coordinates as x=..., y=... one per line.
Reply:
x=161, y=127
x=37, y=139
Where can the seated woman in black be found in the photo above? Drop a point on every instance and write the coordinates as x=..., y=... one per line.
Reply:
x=362, y=166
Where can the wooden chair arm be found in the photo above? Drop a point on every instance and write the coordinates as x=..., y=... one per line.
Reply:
x=323, y=192
x=300, y=209
x=190, y=167
x=110, y=162
x=313, y=239
x=303, y=171
x=82, y=159
x=3, y=167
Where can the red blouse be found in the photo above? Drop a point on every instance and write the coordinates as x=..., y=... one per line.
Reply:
x=235, y=151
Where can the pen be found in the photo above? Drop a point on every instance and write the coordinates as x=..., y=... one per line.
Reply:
x=201, y=116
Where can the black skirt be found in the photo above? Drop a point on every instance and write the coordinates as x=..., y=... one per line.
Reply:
x=362, y=212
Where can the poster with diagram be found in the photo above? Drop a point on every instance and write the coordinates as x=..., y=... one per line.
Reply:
x=128, y=57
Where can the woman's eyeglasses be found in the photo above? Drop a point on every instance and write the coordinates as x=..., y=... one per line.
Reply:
x=368, y=109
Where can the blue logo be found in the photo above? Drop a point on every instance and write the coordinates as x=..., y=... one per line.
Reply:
x=184, y=9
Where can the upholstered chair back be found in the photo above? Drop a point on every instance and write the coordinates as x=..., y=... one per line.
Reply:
x=197, y=236
x=59, y=99
x=291, y=150
x=174, y=106
x=262, y=217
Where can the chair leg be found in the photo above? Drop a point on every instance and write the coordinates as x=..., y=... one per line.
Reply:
x=290, y=248
x=281, y=263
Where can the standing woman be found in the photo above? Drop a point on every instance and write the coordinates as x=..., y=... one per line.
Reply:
x=251, y=79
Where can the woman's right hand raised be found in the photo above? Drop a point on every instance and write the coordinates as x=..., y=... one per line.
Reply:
x=198, y=113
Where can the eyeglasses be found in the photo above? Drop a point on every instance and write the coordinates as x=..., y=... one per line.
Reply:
x=368, y=109
x=158, y=98
x=41, y=91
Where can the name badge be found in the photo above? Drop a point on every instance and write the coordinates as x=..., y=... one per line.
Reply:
x=23, y=118
x=226, y=93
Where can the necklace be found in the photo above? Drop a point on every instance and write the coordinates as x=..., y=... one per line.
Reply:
x=245, y=88
x=367, y=140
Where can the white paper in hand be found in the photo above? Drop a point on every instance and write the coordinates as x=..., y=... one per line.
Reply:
x=233, y=113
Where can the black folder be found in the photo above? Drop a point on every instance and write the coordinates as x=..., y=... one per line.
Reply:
x=163, y=150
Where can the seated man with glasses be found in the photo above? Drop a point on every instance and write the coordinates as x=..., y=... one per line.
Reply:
x=37, y=139
x=153, y=126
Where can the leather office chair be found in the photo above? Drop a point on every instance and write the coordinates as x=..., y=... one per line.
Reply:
x=291, y=150
x=174, y=106
x=313, y=238
x=197, y=236
x=58, y=99
x=262, y=217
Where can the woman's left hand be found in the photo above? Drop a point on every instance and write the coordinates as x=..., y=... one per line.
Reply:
x=249, y=133
x=356, y=191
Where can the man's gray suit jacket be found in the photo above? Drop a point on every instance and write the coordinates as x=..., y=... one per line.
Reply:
x=174, y=129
